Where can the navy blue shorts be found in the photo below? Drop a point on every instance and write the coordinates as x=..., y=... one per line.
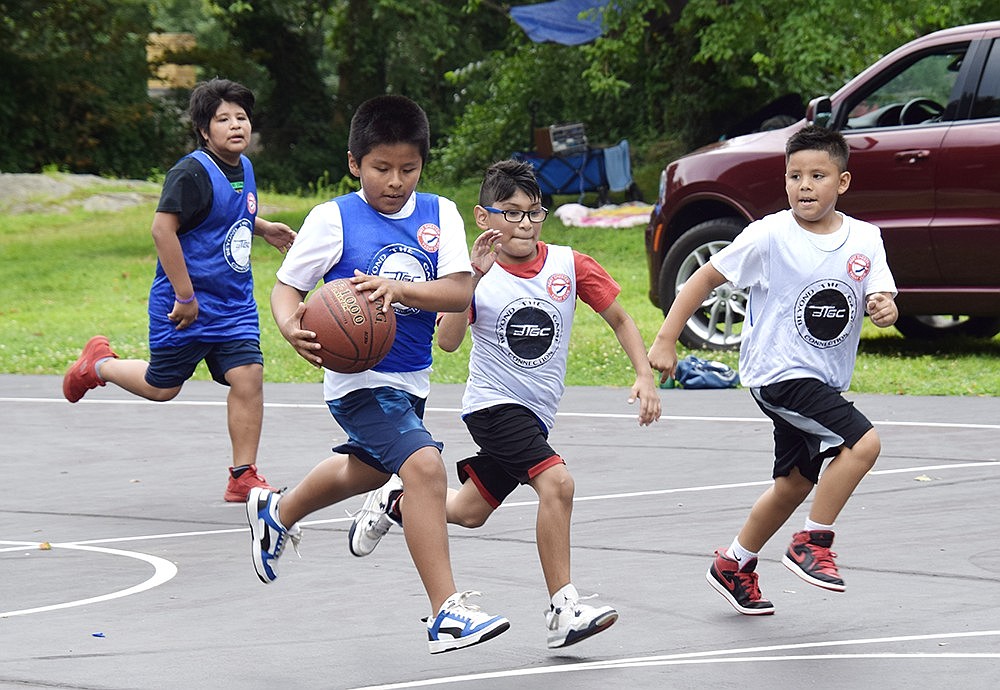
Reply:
x=170, y=367
x=812, y=422
x=384, y=426
x=513, y=449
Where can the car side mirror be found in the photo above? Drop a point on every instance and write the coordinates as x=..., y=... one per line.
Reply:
x=820, y=111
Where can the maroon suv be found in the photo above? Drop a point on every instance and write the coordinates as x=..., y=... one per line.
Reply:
x=923, y=124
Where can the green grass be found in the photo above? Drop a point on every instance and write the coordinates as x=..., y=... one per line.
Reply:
x=67, y=276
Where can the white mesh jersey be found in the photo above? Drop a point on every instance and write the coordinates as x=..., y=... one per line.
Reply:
x=520, y=337
x=807, y=297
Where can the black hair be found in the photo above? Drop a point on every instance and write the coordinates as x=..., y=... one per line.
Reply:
x=504, y=178
x=388, y=119
x=205, y=100
x=816, y=138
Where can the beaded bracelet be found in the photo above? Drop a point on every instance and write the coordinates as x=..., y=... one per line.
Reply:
x=189, y=300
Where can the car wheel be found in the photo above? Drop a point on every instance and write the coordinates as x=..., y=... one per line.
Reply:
x=930, y=327
x=718, y=322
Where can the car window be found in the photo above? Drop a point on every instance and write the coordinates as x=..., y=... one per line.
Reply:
x=987, y=103
x=917, y=94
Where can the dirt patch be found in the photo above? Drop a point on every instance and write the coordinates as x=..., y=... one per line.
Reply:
x=63, y=192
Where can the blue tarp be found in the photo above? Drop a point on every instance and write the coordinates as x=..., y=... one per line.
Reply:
x=560, y=21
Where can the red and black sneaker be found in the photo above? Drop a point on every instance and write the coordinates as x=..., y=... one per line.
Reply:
x=809, y=556
x=738, y=585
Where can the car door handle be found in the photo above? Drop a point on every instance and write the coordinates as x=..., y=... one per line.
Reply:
x=913, y=156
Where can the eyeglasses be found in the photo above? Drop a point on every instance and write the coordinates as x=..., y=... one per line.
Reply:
x=517, y=215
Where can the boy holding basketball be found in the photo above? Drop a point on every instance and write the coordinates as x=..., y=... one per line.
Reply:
x=408, y=249
x=201, y=303
x=521, y=318
x=813, y=273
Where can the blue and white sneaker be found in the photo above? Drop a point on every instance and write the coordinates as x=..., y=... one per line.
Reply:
x=460, y=624
x=267, y=534
x=575, y=622
x=373, y=520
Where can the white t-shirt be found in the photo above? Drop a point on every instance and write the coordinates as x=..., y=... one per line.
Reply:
x=319, y=246
x=807, y=297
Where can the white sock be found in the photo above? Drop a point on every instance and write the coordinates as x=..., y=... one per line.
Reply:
x=97, y=366
x=738, y=552
x=567, y=593
x=813, y=526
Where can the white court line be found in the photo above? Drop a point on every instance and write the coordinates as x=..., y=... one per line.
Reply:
x=163, y=570
x=456, y=410
x=717, y=656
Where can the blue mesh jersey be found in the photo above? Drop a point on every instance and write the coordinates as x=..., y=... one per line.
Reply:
x=397, y=248
x=217, y=254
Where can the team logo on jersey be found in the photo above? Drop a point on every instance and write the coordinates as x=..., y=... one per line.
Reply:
x=529, y=331
x=405, y=263
x=824, y=312
x=858, y=267
x=429, y=237
x=237, y=245
x=559, y=287
x=252, y=203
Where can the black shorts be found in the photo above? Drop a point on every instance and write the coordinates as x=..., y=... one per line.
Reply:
x=513, y=449
x=812, y=422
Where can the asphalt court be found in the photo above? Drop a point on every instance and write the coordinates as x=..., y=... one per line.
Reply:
x=148, y=581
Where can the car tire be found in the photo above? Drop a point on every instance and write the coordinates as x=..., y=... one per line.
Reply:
x=718, y=323
x=932, y=327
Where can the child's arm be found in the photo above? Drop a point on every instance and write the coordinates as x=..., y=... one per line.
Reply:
x=451, y=326
x=171, y=256
x=644, y=387
x=274, y=233
x=287, y=307
x=882, y=309
x=663, y=353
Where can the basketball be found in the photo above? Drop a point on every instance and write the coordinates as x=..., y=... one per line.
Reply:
x=355, y=333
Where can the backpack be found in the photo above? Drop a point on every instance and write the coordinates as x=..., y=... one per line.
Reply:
x=693, y=372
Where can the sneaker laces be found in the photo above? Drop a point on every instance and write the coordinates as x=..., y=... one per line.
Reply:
x=824, y=559
x=375, y=524
x=463, y=601
x=293, y=535
x=749, y=581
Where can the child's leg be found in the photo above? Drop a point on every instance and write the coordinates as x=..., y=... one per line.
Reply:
x=245, y=411
x=425, y=515
x=555, y=488
x=466, y=507
x=130, y=374
x=335, y=479
x=773, y=509
x=842, y=477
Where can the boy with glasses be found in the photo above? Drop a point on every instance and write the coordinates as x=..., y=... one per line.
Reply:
x=521, y=318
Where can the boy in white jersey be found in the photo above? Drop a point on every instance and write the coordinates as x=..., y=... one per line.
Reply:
x=521, y=318
x=408, y=248
x=813, y=273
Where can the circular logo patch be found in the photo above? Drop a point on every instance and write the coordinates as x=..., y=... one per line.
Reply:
x=429, y=237
x=858, y=267
x=824, y=312
x=252, y=203
x=237, y=245
x=530, y=331
x=559, y=287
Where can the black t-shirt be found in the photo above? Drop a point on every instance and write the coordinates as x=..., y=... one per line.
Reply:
x=187, y=190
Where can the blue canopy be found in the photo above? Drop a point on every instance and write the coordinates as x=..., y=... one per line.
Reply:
x=560, y=21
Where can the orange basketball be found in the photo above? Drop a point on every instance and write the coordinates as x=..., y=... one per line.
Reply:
x=355, y=333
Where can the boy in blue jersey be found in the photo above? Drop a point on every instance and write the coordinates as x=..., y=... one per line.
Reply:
x=201, y=303
x=409, y=249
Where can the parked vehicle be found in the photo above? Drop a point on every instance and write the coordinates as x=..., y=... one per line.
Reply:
x=923, y=124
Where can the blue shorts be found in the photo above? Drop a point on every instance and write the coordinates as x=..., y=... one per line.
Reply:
x=812, y=422
x=513, y=449
x=170, y=367
x=384, y=426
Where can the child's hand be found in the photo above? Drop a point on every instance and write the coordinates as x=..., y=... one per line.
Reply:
x=302, y=340
x=483, y=254
x=663, y=358
x=276, y=234
x=882, y=309
x=391, y=291
x=644, y=389
x=184, y=314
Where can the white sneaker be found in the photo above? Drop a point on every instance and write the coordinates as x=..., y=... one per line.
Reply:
x=460, y=624
x=575, y=622
x=267, y=535
x=372, y=521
